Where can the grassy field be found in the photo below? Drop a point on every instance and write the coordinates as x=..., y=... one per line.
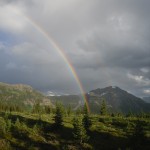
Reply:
x=27, y=131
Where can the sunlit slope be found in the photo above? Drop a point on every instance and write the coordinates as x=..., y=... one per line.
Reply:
x=20, y=94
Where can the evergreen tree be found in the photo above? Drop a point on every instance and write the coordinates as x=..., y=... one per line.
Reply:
x=139, y=130
x=68, y=110
x=130, y=114
x=37, y=109
x=17, y=123
x=112, y=114
x=85, y=110
x=9, y=125
x=138, y=137
x=79, y=131
x=47, y=109
x=103, y=108
x=20, y=129
x=58, y=118
x=86, y=119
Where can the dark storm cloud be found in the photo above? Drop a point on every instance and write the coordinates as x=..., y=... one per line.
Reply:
x=120, y=46
x=106, y=41
x=110, y=55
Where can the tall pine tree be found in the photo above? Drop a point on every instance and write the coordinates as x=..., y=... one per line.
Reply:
x=79, y=131
x=103, y=108
x=86, y=119
x=58, y=118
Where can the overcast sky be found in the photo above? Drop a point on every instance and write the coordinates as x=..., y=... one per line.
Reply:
x=107, y=41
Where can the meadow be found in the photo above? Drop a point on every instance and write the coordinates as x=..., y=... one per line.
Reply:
x=39, y=131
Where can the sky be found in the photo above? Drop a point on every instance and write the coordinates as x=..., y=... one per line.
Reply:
x=106, y=41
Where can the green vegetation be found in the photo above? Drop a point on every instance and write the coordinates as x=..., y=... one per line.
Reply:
x=58, y=118
x=79, y=132
x=30, y=121
x=23, y=96
x=86, y=121
x=58, y=131
x=103, y=109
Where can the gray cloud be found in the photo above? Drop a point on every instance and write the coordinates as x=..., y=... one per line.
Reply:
x=106, y=41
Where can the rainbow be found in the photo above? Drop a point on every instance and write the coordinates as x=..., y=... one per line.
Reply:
x=62, y=54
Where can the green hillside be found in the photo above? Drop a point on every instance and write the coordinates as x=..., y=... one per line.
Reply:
x=20, y=131
x=21, y=95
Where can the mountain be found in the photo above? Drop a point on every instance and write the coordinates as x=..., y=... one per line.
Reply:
x=146, y=99
x=117, y=100
x=22, y=95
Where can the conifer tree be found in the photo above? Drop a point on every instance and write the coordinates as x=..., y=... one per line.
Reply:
x=138, y=132
x=103, y=108
x=47, y=109
x=17, y=123
x=79, y=131
x=138, y=137
x=58, y=118
x=130, y=114
x=37, y=109
x=68, y=110
x=86, y=119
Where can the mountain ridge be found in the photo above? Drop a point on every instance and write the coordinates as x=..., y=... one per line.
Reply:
x=117, y=100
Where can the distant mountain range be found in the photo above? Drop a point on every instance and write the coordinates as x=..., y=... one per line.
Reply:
x=117, y=100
